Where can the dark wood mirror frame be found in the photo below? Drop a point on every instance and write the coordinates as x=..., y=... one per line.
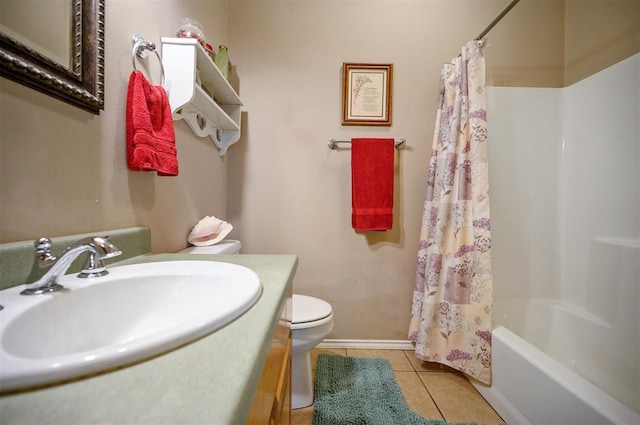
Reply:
x=82, y=83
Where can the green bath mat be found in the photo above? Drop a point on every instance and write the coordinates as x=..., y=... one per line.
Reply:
x=360, y=391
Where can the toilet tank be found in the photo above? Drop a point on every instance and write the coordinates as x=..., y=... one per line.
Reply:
x=223, y=247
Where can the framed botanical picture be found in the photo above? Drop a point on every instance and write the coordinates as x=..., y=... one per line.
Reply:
x=366, y=94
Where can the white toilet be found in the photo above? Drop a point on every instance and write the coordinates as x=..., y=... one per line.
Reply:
x=312, y=320
x=223, y=247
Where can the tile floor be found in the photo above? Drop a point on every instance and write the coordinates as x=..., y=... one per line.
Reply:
x=430, y=389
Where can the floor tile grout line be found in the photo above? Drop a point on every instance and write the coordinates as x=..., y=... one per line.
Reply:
x=443, y=371
x=485, y=400
x=423, y=385
x=409, y=360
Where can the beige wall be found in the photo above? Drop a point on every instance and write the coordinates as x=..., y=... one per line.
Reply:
x=288, y=193
x=63, y=171
x=599, y=33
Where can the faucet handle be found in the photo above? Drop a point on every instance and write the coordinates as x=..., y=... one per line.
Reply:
x=43, y=251
x=42, y=245
x=93, y=267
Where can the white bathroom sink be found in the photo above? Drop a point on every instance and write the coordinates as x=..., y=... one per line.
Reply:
x=135, y=312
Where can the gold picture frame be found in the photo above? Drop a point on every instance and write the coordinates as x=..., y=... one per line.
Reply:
x=367, y=94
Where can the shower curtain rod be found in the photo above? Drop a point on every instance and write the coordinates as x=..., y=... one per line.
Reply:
x=498, y=18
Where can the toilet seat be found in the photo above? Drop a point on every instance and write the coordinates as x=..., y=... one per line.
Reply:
x=310, y=312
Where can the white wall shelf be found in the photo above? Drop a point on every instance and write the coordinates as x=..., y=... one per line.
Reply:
x=217, y=119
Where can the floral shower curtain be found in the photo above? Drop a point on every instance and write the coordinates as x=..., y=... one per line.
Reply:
x=451, y=311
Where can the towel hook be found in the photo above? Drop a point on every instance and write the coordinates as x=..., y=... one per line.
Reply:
x=141, y=49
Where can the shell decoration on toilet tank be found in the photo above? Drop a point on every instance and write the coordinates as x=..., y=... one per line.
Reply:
x=209, y=231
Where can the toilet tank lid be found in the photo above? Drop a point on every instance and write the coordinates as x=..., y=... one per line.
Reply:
x=227, y=246
x=309, y=309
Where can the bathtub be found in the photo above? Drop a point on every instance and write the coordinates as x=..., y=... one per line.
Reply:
x=530, y=387
x=565, y=254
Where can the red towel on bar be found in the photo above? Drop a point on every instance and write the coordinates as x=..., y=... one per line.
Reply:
x=151, y=139
x=372, y=184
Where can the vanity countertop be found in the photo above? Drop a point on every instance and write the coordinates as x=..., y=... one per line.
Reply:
x=209, y=381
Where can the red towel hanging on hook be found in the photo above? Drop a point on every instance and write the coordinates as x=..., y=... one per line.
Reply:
x=151, y=139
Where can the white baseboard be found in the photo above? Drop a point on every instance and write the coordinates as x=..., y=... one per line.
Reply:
x=370, y=344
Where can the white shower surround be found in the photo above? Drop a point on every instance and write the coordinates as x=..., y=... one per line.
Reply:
x=565, y=208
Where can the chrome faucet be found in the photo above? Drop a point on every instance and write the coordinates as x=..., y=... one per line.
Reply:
x=99, y=248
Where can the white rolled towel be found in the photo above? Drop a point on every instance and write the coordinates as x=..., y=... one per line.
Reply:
x=209, y=231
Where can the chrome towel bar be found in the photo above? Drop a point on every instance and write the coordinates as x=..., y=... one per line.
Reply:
x=333, y=144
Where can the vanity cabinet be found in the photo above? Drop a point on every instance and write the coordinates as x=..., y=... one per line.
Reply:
x=272, y=401
x=198, y=92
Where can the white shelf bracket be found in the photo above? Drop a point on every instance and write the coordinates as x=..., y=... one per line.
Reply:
x=202, y=127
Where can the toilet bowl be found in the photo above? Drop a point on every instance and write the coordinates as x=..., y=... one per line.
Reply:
x=312, y=320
